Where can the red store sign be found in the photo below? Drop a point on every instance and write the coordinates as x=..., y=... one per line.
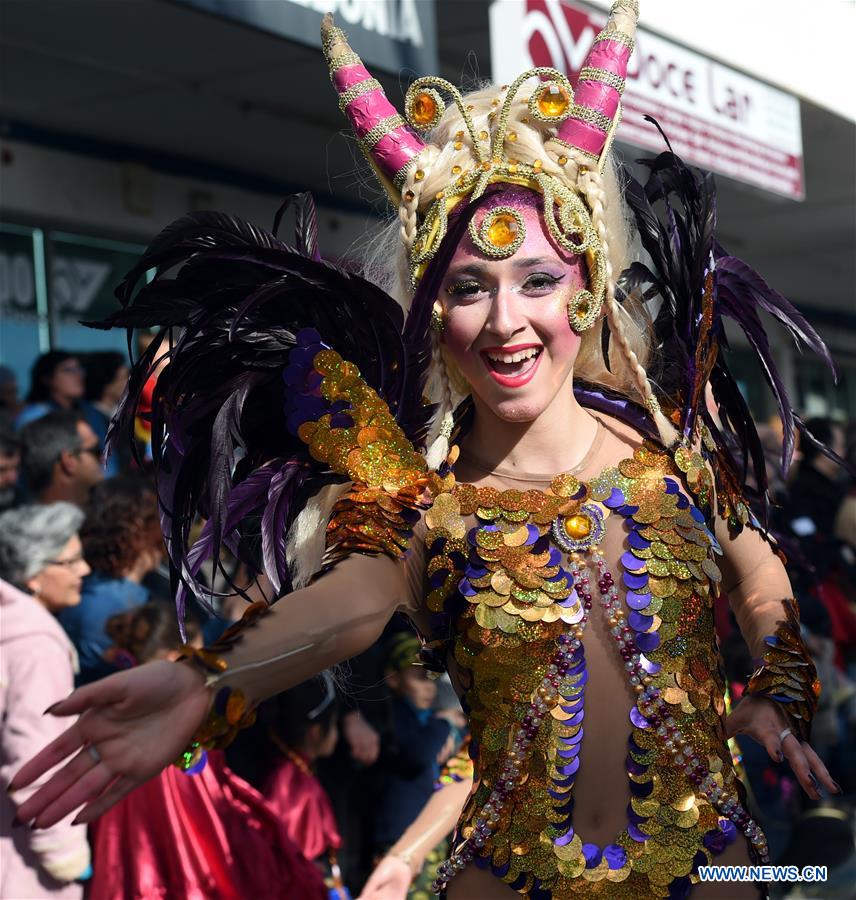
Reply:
x=715, y=117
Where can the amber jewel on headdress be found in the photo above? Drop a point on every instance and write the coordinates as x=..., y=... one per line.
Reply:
x=502, y=230
x=424, y=109
x=553, y=101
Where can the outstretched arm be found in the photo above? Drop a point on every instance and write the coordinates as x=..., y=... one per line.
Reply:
x=135, y=723
x=405, y=859
x=782, y=693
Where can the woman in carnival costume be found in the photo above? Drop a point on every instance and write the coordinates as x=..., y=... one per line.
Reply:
x=556, y=518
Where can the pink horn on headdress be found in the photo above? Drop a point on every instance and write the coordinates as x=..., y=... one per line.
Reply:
x=601, y=83
x=385, y=138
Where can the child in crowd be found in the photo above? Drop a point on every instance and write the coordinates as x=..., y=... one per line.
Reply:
x=294, y=730
x=202, y=836
x=422, y=740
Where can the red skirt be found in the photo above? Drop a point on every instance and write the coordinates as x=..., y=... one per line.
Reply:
x=209, y=836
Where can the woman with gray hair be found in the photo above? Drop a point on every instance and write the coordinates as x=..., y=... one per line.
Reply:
x=41, y=569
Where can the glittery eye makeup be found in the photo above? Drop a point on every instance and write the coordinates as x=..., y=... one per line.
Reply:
x=464, y=288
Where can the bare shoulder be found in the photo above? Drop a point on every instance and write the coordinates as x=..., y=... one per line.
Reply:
x=617, y=440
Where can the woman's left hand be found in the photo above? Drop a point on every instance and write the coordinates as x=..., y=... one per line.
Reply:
x=763, y=722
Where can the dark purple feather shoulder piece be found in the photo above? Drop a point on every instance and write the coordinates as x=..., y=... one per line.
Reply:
x=230, y=300
x=701, y=285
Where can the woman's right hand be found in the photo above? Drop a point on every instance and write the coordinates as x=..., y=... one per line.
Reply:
x=138, y=722
x=389, y=881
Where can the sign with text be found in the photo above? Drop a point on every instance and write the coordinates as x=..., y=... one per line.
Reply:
x=389, y=34
x=715, y=117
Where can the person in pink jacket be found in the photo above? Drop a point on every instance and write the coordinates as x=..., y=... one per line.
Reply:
x=41, y=569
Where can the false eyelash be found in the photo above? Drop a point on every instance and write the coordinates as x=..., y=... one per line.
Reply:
x=546, y=279
x=458, y=289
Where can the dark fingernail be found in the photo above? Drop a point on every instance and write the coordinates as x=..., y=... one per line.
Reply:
x=51, y=708
x=780, y=756
x=814, y=781
x=837, y=788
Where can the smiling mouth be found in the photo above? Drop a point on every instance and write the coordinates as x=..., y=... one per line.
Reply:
x=512, y=366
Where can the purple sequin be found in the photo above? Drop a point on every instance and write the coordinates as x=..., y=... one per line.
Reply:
x=638, y=622
x=634, y=582
x=649, y=665
x=636, y=834
x=648, y=642
x=569, y=768
x=637, y=718
x=593, y=855
x=641, y=788
x=636, y=600
x=632, y=563
x=637, y=542
x=615, y=499
x=565, y=839
x=616, y=856
x=635, y=768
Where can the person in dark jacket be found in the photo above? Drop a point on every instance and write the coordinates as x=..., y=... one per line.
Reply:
x=422, y=741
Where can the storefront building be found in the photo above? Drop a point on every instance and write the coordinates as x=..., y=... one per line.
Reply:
x=116, y=119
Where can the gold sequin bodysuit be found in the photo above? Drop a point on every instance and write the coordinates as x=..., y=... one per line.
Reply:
x=519, y=583
x=515, y=577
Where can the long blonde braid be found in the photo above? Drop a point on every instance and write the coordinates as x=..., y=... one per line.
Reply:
x=596, y=198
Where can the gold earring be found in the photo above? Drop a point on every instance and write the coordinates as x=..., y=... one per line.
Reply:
x=437, y=322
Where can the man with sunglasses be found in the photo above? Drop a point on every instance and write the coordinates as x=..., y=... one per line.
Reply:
x=61, y=459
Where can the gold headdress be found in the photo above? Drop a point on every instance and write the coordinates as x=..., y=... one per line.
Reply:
x=584, y=125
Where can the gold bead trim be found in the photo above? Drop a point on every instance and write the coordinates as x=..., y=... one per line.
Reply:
x=575, y=151
x=583, y=311
x=344, y=59
x=334, y=35
x=591, y=73
x=626, y=5
x=591, y=117
x=613, y=34
x=357, y=90
x=653, y=405
x=383, y=128
x=401, y=175
x=480, y=237
x=331, y=36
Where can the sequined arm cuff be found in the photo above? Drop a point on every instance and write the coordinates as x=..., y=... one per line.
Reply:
x=787, y=674
x=372, y=521
x=230, y=711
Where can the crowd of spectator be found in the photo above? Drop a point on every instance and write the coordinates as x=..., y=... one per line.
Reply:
x=336, y=769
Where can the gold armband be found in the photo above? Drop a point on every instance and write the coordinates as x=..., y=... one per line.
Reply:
x=787, y=674
x=230, y=711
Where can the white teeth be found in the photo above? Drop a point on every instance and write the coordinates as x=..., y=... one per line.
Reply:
x=514, y=357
